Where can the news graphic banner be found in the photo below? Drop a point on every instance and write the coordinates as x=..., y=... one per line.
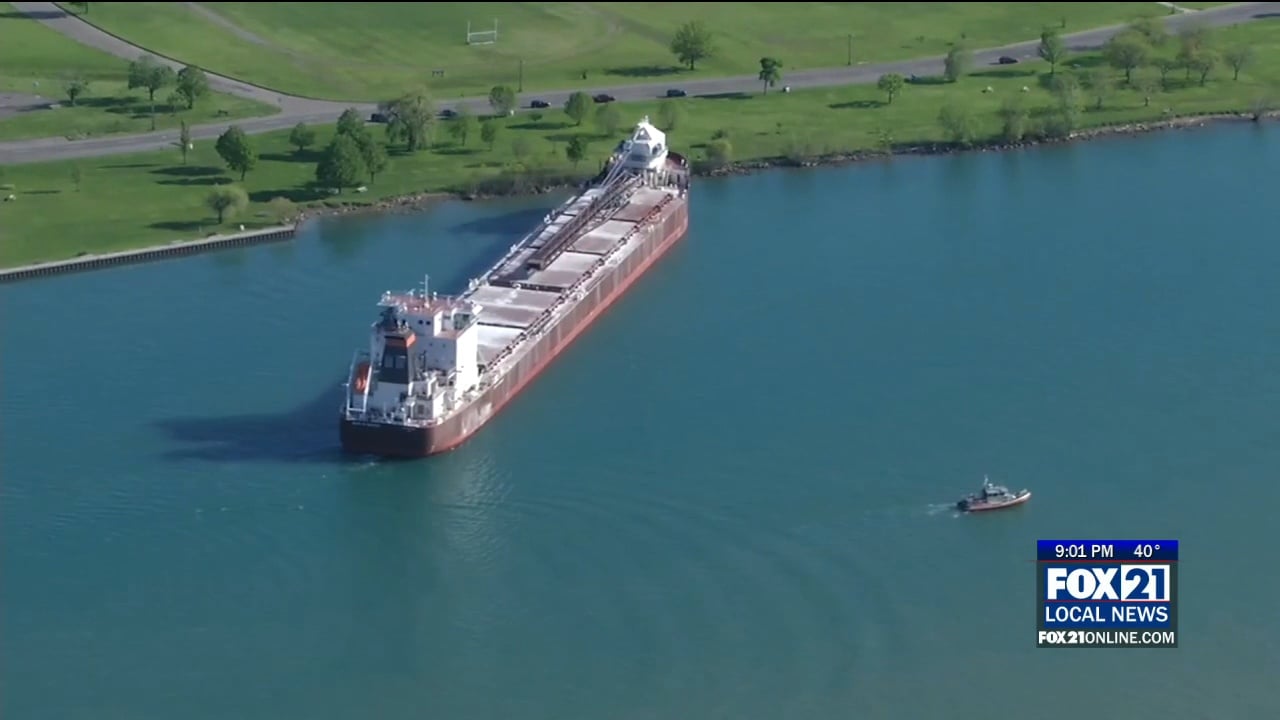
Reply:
x=1107, y=593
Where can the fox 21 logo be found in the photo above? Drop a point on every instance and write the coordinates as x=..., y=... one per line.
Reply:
x=1121, y=583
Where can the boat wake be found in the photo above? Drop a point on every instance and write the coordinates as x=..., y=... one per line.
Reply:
x=935, y=509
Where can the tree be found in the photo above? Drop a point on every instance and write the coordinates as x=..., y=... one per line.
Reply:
x=957, y=63
x=409, y=120
x=1203, y=64
x=1127, y=52
x=302, y=137
x=1052, y=49
x=235, y=149
x=462, y=126
x=1066, y=114
x=375, y=159
x=669, y=115
x=146, y=73
x=192, y=84
x=1193, y=37
x=1238, y=58
x=1013, y=119
x=489, y=131
x=342, y=165
x=1193, y=41
x=891, y=84
x=372, y=154
x=75, y=87
x=81, y=6
x=282, y=209
x=1098, y=83
x=770, y=72
x=692, y=42
x=350, y=122
x=184, y=140
x=1151, y=30
x=1165, y=66
x=502, y=99
x=77, y=175
x=576, y=150
x=956, y=123
x=577, y=107
x=1147, y=87
x=226, y=200
x=719, y=152
x=608, y=119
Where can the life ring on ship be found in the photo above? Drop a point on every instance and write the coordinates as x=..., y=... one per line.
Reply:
x=361, y=378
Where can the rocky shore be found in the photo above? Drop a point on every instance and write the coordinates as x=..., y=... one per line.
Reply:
x=1177, y=123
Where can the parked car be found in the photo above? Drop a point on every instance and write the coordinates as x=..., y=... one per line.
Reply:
x=378, y=118
x=604, y=98
x=1006, y=60
x=676, y=92
x=447, y=113
x=539, y=104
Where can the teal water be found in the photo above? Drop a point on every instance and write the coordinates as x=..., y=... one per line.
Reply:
x=728, y=500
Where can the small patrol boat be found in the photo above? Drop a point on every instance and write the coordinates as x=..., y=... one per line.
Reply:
x=992, y=497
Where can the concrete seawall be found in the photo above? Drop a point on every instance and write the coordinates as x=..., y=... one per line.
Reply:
x=158, y=252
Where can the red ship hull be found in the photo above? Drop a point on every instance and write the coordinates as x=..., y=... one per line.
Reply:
x=388, y=440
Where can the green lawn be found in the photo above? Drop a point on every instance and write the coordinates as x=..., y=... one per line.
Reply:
x=372, y=51
x=35, y=60
x=137, y=200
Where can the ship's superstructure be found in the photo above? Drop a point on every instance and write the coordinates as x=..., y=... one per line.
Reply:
x=439, y=367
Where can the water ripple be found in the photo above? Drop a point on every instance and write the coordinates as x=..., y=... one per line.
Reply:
x=694, y=576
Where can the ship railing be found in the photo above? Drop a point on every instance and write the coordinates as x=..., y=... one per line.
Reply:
x=535, y=329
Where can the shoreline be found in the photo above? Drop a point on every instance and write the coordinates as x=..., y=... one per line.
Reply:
x=416, y=201
x=151, y=253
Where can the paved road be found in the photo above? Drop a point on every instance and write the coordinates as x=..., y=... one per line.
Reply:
x=296, y=109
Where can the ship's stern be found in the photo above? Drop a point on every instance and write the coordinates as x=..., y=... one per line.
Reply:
x=360, y=437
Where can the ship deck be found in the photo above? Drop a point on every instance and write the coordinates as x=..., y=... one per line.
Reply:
x=506, y=312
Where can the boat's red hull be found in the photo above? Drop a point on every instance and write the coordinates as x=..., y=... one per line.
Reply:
x=399, y=441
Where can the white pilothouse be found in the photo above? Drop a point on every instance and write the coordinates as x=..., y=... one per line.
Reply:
x=421, y=361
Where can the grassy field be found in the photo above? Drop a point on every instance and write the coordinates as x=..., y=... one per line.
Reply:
x=132, y=201
x=37, y=61
x=374, y=50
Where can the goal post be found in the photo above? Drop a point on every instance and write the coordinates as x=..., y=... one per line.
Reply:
x=482, y=37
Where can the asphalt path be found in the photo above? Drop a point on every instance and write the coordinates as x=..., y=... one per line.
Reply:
x=298, y=109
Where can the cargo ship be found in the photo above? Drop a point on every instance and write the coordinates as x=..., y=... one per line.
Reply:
x=439, y=367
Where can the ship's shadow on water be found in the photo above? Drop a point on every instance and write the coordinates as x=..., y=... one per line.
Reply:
x=497, y=235
x=508, y=226
x=304, y=434
x=308, y=433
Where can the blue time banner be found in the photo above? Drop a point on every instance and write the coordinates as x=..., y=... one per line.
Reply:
x=1104, y=550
